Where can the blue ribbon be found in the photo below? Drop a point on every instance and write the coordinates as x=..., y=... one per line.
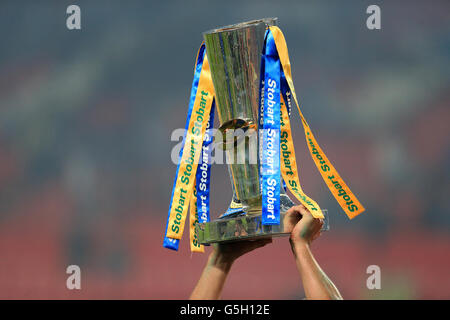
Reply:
x=270, y=166
x=261, y=106
x=231, y=211
x=203, y=175
x=169, y=242
x=286, y=92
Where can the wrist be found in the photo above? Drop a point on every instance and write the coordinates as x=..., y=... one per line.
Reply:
x=299, y=246
x=298, y=242
x=220, y=261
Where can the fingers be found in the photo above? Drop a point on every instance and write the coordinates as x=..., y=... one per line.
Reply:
x=253, y=244
x=295, y=209
x=318, y=234
x=294, y=213
x=318, y=224
x=250, y=245
x=304, y=212
x=300, y=209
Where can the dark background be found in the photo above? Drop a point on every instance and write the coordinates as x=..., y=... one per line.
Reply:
x=85, y=123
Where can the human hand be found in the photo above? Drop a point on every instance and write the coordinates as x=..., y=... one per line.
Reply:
x=303, y=226
x=224, y=254
x=220, y=260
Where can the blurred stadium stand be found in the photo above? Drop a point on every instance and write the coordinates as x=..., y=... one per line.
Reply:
x=85, y=124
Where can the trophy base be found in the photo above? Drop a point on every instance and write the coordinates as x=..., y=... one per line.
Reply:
x=244, y=227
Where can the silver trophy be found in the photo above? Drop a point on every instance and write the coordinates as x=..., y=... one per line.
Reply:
x=234, y=55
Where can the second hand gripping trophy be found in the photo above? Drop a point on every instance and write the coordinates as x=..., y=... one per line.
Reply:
x=246, y=74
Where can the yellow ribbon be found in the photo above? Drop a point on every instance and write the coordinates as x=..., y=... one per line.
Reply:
x=342, y=193
x=191, y=153
x=288, y=164
x=193, y=220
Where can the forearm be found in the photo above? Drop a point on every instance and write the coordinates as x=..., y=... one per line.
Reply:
x=211, y=282
x=316, y=284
